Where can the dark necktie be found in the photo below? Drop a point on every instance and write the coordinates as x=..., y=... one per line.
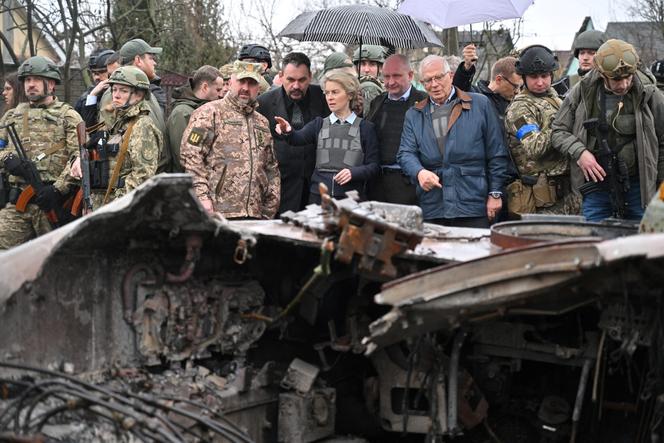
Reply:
x=297, y=121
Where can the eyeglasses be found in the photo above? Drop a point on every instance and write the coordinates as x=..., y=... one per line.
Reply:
x=437, y=78
x=514, y=85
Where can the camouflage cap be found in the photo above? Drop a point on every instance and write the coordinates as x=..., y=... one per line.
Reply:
x=247, y=70
x=226, y=71
x=136, y=47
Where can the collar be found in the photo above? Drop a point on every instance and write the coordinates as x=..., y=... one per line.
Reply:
x=405, y=95
x=350, y=119
x=464, y=98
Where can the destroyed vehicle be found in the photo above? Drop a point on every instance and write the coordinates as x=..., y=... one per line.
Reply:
x=149, y=320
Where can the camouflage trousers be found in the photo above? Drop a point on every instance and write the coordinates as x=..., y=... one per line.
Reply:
x=18, y=227
x=568, y=205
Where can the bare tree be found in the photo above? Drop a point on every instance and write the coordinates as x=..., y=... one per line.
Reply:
x=649, y=11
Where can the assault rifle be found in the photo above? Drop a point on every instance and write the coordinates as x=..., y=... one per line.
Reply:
x=31, y=176
x=617, y=174
x=83, y=198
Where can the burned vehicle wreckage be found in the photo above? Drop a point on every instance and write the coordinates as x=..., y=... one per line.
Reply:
x=149, y=320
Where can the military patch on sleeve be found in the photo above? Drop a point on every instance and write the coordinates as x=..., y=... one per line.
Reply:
x=525, y=128
x=196, y=136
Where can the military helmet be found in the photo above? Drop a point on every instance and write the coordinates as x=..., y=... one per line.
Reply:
x=257, y=52
x=536, y=59
x=616, y=59
x=337, y=60
x=130, y=76
x=657, y=70
x=41, y=67
x=591, y=39
x=372, y=53
x=97, y=62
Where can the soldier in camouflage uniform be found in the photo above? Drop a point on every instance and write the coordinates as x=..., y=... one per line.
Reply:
x=132, y=136
x=47, y=129
x=542, y=170
x=227, y=147
x=371, y=61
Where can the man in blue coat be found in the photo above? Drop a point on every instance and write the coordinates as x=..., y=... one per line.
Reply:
x=452, y=148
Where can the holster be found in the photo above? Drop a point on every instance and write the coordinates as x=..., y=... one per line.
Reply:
x=544, y=192
x=520, y=198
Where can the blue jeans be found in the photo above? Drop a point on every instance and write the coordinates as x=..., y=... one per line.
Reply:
x=597, y=205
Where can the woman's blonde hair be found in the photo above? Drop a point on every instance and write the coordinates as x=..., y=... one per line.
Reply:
x=349, y=83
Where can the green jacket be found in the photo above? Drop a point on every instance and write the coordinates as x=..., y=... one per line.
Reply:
x=184, y=105
x=570, y=138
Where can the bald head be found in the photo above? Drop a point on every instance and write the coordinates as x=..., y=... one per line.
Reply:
x=397, y=75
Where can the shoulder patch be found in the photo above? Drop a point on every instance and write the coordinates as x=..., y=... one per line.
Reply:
x=196, y=136
x=525, y=128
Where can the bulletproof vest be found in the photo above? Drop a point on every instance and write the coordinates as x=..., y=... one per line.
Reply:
x=622, y=129
x=389, y=124
x=440, y=118
x=339, y=146
x=42, y=133
x=103, y=161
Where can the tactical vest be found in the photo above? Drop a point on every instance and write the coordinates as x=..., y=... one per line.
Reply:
x=440, y=118
x=622, y=129
x=389, y=125
x=42, y=133
x=339, y=146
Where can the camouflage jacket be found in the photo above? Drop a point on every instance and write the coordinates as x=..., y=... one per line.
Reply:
x=141, y=159
x=48, y=135
x=528, y=128
x=228, y=149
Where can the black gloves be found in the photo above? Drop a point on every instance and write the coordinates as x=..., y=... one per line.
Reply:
x=15, y=166
x=48, y=198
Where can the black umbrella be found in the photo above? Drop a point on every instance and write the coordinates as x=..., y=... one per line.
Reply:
x=362, y=25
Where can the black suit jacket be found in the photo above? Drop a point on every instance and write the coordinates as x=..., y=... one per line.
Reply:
x=296, y=163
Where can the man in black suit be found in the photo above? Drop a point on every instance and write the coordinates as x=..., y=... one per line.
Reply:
x=298, y=102
x=387, y=112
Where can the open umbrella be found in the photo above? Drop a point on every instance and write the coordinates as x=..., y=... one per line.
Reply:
x=452, y=13
x=361, y=24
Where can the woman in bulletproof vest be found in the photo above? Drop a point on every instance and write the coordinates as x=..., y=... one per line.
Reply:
x=125, y=154
x=346, y=145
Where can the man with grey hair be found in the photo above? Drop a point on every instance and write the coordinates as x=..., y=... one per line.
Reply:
x=452, y=148
x=387, y=112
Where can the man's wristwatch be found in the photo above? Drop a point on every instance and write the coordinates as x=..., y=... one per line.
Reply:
x=496, y=194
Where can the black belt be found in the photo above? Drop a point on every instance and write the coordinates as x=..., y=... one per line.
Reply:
x=388, y=170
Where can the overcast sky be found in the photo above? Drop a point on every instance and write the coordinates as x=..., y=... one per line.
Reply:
x=554, y=22
x=549, y=22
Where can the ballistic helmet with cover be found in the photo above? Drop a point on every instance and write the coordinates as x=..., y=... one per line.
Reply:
x=256, y=52
x=226, y=71
x=131, y=76
x=536, y=59
x=41, y=67
x=657, y=70
x=616, y=59
x=372, y=53
x=590, y=39
x=97, y=61
x=337, y=60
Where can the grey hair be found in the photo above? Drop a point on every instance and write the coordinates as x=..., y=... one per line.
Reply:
x=430, y=60
x=453, y=61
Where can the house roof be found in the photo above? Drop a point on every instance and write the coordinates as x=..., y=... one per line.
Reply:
x=647, y=38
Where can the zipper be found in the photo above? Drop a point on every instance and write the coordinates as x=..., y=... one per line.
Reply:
x=251, y=161
x=220, y=183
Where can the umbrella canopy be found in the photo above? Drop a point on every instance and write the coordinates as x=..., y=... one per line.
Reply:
x=452, y=13
x=361, y=24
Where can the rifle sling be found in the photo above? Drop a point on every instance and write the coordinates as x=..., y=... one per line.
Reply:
x=120, y=160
